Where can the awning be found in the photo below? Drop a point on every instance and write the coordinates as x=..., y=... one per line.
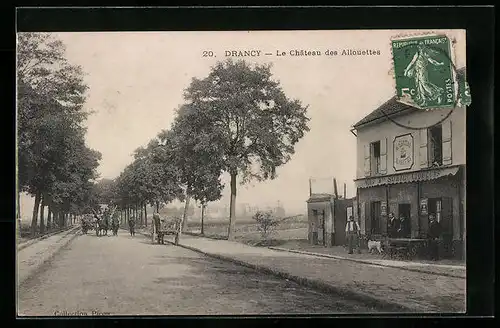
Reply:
x=424, y=175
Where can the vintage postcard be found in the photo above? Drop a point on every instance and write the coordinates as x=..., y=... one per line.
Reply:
x=241, y=172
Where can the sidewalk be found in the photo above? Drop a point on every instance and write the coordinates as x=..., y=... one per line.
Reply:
x=444, y=268
x=400, y=290
x=32, y=257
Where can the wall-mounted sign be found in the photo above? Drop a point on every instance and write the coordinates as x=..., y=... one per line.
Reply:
x=403, y=152
x=423, y=206
x=383, y=208
x=423, y=175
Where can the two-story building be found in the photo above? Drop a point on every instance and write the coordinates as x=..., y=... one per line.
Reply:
x=410, y=166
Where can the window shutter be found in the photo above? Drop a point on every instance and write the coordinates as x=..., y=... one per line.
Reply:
x=362, y=217
x=446, y=139
x=355, y=210
x=424, y=162
x=383, y=156
x=368, y=218
x=367, y=161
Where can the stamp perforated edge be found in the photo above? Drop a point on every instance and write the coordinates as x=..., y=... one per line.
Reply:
x=416, y=34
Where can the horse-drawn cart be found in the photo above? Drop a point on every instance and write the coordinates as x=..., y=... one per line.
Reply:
x=165, y=226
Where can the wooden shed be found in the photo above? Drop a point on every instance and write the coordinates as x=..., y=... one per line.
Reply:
x=327, y=217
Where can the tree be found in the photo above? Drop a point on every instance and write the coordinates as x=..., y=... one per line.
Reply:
x=266, y=223
x=245, y=121
x=194, y=160
x=51, y=94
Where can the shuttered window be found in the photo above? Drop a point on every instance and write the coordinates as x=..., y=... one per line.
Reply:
x=446, y=143
x=424, y=161
x=367, y=163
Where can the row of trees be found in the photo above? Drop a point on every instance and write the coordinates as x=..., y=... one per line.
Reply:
x=237, y=121
x=54, y=164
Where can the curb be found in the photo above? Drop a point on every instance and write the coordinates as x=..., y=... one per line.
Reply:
x=365, y=298
x=37, y=239
x=365, y=262
x=44, y=263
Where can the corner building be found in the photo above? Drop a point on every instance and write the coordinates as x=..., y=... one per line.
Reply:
x=412, y=172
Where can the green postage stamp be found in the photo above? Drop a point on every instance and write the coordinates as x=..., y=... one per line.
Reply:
x=425, y=73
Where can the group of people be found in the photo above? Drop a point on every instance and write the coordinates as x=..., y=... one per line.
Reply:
x=398, y=227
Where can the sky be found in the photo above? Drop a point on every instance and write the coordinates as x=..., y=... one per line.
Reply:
x=136, y=81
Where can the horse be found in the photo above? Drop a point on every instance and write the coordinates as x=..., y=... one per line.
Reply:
x=115, y=224
x=101, y=226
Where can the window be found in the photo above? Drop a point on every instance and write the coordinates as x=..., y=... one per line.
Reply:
x=375, y=156
x=435, y=208
x=375, y=218
x=435, y=145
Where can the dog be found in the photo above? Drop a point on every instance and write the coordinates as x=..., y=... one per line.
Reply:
x=373, y=244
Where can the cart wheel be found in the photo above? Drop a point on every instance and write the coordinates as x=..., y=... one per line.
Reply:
x=413, y=251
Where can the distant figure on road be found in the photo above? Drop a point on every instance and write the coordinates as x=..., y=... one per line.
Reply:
x=352, y=232
x=131, y=225
x=115, y=223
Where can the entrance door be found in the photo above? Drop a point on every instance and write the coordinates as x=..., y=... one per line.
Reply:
x=375, y=218
x=404, y=211
x=321, y=227
x=446, y=222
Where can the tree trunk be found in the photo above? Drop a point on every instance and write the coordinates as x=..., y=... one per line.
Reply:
x=202, y=216
x=232, y=207
x=42, y=214
x=184, y=215
x=35, y=214
x=146, y=214
x=49, y=218
x=157, y=207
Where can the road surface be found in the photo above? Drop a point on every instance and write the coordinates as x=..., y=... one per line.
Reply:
x=127, y=275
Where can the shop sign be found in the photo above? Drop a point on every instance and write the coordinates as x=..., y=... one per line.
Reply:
x=406, y=177
x=403, y=152
x=423, y=206
x=383, y=208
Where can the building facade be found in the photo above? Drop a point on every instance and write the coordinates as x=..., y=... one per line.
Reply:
x=412, y=172
x=327, y=217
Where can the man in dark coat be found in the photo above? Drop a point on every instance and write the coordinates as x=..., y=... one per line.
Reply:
x=393, y=226
x=404, y=227
x=433, y=237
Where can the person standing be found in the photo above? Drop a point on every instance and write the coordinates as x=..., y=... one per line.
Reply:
x=393, y=226
x=404, y=227
x=433, y=237
x=156, y=225
x=352, y=232
x=131, y=225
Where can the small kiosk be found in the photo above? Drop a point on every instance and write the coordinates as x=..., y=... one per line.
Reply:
x=327, y=217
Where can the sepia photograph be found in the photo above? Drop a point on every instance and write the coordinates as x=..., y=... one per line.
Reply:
x=178, y=173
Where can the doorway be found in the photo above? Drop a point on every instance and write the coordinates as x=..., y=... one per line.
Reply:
x=404, y=211
x=320, y=219
x=375, y=218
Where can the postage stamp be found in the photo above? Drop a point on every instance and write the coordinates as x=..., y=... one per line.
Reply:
x=424, y=72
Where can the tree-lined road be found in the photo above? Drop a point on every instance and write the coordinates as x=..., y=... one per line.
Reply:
x=126, y=275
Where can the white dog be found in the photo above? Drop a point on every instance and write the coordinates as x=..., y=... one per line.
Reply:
x=372, y=244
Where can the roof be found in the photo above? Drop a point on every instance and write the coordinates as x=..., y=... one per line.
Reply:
x=393, y=107
x=320, y=197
